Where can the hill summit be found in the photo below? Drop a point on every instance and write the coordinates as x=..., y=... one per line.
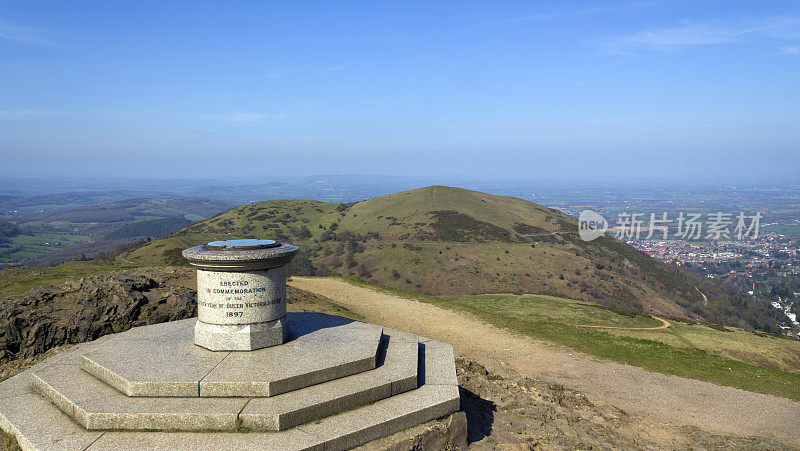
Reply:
x=449, y=241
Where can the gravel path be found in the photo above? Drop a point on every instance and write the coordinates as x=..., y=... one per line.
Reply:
x=665, y=399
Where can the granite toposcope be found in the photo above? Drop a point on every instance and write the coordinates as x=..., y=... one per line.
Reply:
x=241, y=293
x=321, y=382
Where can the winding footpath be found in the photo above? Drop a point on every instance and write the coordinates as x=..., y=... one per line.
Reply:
x=660, y=398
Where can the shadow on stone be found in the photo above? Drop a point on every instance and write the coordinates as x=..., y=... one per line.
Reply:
x=421, y=365
x=480, y=415
x=304, y=323
x=380, y=358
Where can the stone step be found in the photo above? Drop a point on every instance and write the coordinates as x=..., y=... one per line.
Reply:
x=397, y=373
x=38, y=424
x=438, y=398
x=164, y=361
x=338, y=432
x=97, y=406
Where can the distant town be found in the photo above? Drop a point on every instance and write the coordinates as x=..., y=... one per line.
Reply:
x=766, y=268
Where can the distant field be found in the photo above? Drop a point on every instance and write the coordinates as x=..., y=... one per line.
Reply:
x=738, y=358
x=145, y=217
x=23, y=247
x=103, y=225
x=785, y=229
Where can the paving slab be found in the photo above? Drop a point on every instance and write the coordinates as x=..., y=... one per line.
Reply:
x=438, y=364
x=396, y=373
x=310, y=326
x=291, y=366
x=338, y=432
x=162, y=366
x=291, y=440
x=32, y=419
x=400, y=335
x=96, y=405
x=21, y=382
x=164, y=361
x=321, y=348
x=37, y=424
x=153, y=331
x=385, y=417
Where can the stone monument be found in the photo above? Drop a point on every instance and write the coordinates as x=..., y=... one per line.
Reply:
x=305, y=381
x=241, y=293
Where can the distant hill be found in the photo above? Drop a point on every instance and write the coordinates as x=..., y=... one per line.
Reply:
x=68, y=199
x=155, y=228
x=130, y=209
x=449, y=241
x=61, y=232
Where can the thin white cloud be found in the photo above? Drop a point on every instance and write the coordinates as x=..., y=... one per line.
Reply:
x=789, y=50
x=780, y=28
x=21, y=115
x=18, y=33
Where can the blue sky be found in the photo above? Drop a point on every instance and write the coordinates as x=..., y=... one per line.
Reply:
x=628, y=89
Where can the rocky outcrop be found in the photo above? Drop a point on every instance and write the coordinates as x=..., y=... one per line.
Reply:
x=85, y=309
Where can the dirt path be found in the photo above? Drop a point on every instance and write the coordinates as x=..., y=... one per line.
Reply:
x=705, y=298
x=665, y=325
x=665, y=399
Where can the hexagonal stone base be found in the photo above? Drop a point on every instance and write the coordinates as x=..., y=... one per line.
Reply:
x=166, y=362
x=247, y=337
x=97, y=406
x=414, y=382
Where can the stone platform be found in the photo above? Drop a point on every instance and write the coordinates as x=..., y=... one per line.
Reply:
x=335, y=384
x=146, y=365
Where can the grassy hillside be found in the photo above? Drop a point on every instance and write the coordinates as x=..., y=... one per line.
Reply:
x=449, y=241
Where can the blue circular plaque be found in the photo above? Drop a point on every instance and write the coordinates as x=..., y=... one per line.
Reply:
x=241, y=244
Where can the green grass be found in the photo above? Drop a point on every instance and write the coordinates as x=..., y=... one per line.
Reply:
x=15, y=281
x=785, y=229
x=553, y=319
x=36, y=245
x=555, y=309
x=145, y=217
